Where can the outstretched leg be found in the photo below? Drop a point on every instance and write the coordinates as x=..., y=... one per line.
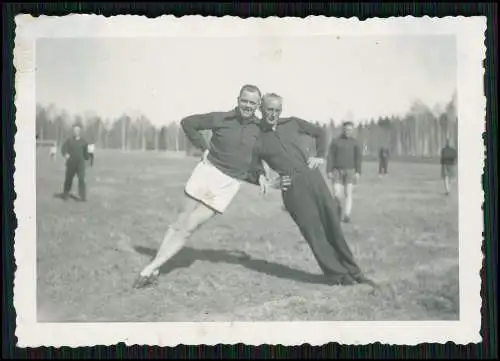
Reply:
x=335, y=236
x=208, y=191
x=304, y=210
x=194, y=215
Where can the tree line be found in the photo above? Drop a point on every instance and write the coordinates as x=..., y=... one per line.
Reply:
x=421, y=132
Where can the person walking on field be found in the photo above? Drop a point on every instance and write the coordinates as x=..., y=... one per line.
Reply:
x=344, y=167
x=74, y=151
x=448, y=164
x=304, y=191
x=216, y=179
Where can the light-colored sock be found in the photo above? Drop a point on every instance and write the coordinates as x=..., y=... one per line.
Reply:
x=172, y=243
x=348, y=201
x=339, y=194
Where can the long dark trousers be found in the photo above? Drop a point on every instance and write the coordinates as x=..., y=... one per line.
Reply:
x=315, y=212
x=383, y=166
x=75, y=168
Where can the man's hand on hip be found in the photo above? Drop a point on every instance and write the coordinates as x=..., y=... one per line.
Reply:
x=315, y=162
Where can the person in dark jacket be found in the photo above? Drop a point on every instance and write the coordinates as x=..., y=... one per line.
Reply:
x=383, y=161
x=448, y=163
x=305, y=193
x=216, y=179
x=344, y=167
x=74, y=151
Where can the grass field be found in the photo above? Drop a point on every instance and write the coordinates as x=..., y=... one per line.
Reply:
x=404, y=234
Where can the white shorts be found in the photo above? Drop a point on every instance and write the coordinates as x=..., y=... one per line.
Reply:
x=210, y=186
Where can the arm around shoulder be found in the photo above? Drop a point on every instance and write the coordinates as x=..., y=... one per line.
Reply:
x=315, y=131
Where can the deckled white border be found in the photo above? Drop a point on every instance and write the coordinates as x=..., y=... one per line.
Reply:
x=471, y=113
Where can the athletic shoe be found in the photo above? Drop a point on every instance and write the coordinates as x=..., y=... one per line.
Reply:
x=145, y=281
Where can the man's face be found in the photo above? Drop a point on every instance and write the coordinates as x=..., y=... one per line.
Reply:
x=271, y=110
x=76, y=131
x=348, y=130
x=248, y=102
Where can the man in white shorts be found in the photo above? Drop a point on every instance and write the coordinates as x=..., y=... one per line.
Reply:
x=216, y=179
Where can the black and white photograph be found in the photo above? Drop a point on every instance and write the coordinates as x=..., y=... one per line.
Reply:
x=220, y=180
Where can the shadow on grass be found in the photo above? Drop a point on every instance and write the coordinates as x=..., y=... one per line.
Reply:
x=61, y=196
x=187, y=256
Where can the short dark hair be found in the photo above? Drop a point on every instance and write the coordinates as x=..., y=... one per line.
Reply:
x=347, y=122
x=250, y=88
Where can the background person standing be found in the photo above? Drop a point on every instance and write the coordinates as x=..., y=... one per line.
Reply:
x=344, y=167
x=448, y=163
x=74, y=151
x=383, y=161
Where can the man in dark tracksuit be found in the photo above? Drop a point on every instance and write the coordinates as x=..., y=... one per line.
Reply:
x=383, y=160
x=448, y=162
x=344, y=166
x=305, y=193
x=74, y=150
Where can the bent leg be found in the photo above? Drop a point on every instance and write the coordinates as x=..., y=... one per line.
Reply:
x=334, y=234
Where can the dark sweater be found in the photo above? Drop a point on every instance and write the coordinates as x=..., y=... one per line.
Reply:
x=233, y=138
x=344, y=153
x=282, y=148
x=448, y=156
x=76, y=148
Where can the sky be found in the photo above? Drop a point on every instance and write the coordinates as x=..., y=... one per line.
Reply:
x=319, y=77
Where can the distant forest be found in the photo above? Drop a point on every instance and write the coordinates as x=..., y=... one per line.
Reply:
x=420, y=133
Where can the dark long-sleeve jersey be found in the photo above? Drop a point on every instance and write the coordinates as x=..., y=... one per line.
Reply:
x=344, y=153
x=383, y=154
x=233, y=138
x=448, y=156
x=282, y=150
x=76, y=148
